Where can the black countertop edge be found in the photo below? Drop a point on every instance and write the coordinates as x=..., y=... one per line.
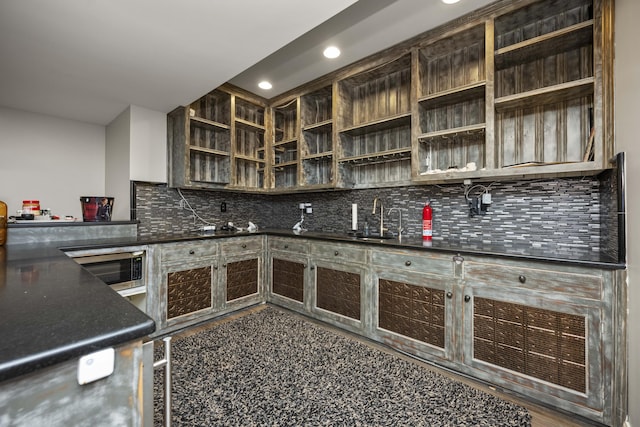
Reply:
x=55, y=223
x=516, y=251
x=34, y=362
x=53, y=310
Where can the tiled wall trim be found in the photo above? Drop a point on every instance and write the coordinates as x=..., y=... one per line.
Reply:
x=559, y=213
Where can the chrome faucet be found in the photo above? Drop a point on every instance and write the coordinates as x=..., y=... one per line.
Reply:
x=373, y=212
x=400, y=229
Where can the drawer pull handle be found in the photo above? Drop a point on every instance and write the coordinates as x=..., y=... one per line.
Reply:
x=522, y=278
x=244, y=246
x=191, y=252
x=449, y=294
x=336, y=253
x=407, y=263
x=467, y=298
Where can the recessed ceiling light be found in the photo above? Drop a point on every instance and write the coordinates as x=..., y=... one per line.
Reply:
x=331, y=52
x=450, y=1
x=265, y=85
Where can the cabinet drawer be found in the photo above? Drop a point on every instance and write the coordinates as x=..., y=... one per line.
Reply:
x=236, y=245
x=183, y=251
x=340, y=253
x=289, y=245
x=577, y=284
x=441, y=265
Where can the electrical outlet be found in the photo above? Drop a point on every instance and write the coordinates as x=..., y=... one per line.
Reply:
x=223, y=207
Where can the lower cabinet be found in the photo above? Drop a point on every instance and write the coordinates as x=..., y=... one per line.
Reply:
x=242, y=275
x=413, y=302
x=552, y=332
x=288, y=271
x=544, y=330
x=339, y=278
x=183, y=283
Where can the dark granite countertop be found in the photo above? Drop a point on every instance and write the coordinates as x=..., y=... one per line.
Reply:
x=53, y=310
x=569, y=255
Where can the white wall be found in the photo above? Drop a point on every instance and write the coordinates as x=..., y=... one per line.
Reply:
x=50, y=159
x=148, y=145
x=136, y=150
x=118, y=136
x=627, y=113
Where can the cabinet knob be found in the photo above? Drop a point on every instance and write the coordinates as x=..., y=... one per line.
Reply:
x=244, y=245
x=407, y=263
x=336, y=253
x=215, y=267
x=313, y=267
x=224, y=265
x=286, y=246
x=522, y=278
x=191, y=252
x=449, y=294
x=467, y=298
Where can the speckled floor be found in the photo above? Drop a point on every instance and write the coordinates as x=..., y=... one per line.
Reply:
x=273, y=368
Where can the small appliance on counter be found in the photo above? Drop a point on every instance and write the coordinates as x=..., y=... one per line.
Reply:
x=96, y=208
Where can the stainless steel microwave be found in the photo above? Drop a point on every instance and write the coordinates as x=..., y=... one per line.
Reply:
x=123, y=271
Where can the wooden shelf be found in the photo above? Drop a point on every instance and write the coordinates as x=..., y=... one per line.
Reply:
x=325, y=155
x=208, y=151
x=285, y=164
x=382, y=156
x=453, y=132
x=319, y=127
x=248, y=158
x=546, y=95
x=250, y=125
x=454, y=95
x=285, y=142
x=208, y=124
x=551, y=43
x=398, y=120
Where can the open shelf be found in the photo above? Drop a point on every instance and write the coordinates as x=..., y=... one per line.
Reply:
x=453, y=132
x=546, y=95
x=379, y=125
x=208, y=124
x=283, y=164
x=316, y=107
x=323, y=155
x=454, y=95
x=292, y=141
x=249, y=125
x=381, y=156
x=561, y=40
x=324, y=126
x=249, y=158
x=209, y=151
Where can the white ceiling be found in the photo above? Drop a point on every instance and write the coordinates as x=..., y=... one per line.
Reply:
x=88, y=60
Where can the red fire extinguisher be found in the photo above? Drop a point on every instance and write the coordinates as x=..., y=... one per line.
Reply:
x=427, y=225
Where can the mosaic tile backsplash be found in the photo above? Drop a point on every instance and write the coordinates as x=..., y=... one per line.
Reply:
x=558, y=213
